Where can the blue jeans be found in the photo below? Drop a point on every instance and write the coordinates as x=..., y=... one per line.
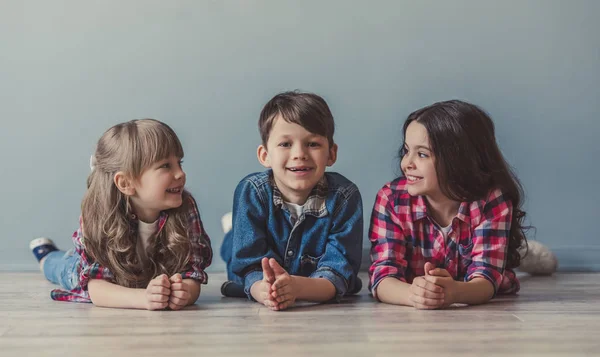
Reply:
x=60, y=268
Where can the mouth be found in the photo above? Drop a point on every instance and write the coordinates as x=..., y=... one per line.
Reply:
x=299, y=169
x=413, y=179
x=177, y=189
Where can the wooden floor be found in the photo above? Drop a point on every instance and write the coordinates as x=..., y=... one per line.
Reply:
x=553, y=316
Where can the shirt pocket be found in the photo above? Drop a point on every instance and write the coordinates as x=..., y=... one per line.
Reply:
x=308, y=264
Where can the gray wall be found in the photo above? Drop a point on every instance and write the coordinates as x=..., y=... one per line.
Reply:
x=71, y=69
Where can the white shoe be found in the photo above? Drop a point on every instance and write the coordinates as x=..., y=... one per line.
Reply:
x=539, y=260
x=227, y=222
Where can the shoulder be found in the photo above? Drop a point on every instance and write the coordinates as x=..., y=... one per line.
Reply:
x=257, y=180
x=395, y=191
x=339, y=185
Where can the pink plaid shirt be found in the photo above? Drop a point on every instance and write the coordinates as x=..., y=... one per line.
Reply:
x=200, y=257
x=404, y=237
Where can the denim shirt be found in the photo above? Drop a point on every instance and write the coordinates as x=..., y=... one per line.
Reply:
x=324, y=242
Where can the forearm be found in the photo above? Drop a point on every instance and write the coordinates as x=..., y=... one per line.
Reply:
x=194, y=289
x=474, y=292
x=313, y=289
x=393, y=291
x=106, y=294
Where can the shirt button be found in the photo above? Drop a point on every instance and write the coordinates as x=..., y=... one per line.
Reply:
x=290, y=253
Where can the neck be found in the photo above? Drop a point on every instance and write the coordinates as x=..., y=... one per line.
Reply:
x=298, y=199
x=442, y=209
x=144, y=214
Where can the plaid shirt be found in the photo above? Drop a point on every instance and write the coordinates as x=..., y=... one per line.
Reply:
x=403, y=237
x=199, y=258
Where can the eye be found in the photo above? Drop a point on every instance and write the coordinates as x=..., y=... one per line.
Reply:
x=403, y=151
x=314, y=144
x=423, y=155
x=180, y=163
x=165, y=165
x=284, y=145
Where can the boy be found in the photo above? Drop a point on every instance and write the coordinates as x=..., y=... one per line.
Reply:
x=297, y=231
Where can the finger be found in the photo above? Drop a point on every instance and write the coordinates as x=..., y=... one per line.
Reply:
x=277, y=269
x=176, y=278
x=270, y=303
x=428, y=283
x=160, y=290
x=285, y=305
x=428, y=267
x=179, y=286
x=286, y=289
x=161, y=280
x=180, y=294
x=281, y=282
x=420, y=300
x=157, y=305
x=436, y=280
x=440, y=272
x=173, y=306
x=268, y=274
x=283, y=298
x=178, y=301
x=158, y=298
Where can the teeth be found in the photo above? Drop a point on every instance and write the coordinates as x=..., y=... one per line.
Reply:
x=173, y=190
x=412, y=178
x=294, y=169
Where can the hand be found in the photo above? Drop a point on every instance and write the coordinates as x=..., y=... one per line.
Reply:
x=426, y=294
x=442, y=278
x=157, y=293
x=284, y=289
x=261, y=290
x=180, y=293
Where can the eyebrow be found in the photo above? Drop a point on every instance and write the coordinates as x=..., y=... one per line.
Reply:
x=419, y=147
x=288, y=136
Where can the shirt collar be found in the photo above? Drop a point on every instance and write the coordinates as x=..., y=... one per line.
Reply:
x=315, y=203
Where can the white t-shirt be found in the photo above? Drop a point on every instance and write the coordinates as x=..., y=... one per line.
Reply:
x=145, y=232
x=295, y=211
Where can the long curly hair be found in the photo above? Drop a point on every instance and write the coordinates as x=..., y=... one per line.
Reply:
x=469, y=162
x=110, y=235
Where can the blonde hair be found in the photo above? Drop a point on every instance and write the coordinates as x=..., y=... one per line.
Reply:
x=109, y=237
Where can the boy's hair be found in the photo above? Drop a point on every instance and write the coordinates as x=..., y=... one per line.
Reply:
x=305, y=109
x=106, y=213
x=468, y=161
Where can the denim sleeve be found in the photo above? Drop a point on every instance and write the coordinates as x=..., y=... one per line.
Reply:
x=343, y=253
x=249, y=234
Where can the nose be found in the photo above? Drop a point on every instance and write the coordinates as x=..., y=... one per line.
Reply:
x=299, y=152
x=407, y=163
x=179, y=174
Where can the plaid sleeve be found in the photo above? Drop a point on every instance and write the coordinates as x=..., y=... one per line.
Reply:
x=490, y=240
x=87, y=270
x=388, y=246
x=200, y=250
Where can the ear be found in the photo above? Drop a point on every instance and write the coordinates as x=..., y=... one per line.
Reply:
x=332, y=155
x=124, y=183
x=263, y=156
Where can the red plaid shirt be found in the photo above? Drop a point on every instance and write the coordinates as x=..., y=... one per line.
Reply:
x=403, y=237
x=200, y=257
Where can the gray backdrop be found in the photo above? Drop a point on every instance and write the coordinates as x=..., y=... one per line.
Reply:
x=71, y=69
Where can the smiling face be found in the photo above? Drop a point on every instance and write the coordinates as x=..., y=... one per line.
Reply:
x=297, y=157
x=160, y=187
x=418, y=162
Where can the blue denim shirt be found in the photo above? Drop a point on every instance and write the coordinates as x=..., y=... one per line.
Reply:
x=325, y=241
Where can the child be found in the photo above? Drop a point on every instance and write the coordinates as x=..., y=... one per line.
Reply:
x=140, y=243
x=450, y=228
x=297, y=230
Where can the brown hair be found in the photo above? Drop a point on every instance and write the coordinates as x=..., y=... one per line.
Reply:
x=305, y=109
x=469, y=163
x=131, y=147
